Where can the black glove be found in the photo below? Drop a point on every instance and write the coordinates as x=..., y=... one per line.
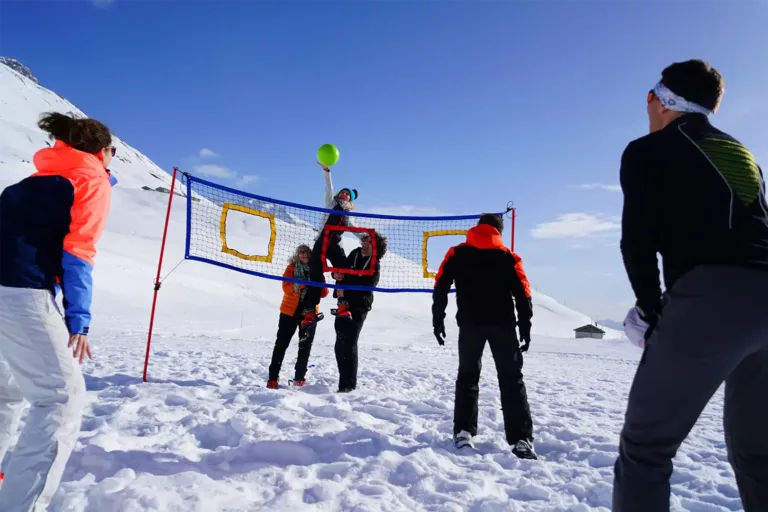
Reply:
x=649, y=316
x=439, y=331
x=525, y=336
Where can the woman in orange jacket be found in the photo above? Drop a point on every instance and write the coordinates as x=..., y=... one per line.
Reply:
x=291, y=315
x=50, y=223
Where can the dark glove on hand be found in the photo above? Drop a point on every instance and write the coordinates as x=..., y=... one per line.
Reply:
x=649, y=316
x=525, y=336
x=439, y=331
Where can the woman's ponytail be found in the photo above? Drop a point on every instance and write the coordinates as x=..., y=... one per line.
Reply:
x=84, y=134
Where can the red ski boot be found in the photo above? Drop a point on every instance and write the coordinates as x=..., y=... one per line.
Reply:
x=343, y=311
x=300, y=382
x=272, y=384
x=311, y=317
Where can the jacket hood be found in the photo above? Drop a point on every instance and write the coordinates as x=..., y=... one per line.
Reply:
x=62, y=159
x=484, y=236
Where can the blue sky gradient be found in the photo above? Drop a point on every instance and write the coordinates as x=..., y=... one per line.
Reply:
x=450, y=107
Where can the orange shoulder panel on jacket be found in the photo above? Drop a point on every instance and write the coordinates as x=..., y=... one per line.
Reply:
x=521, y=274
x=447, y=257
x=92, y=195
x=89, y=212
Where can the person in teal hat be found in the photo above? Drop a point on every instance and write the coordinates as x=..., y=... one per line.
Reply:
x=328, y=243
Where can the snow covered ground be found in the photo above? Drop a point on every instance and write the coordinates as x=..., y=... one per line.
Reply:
x=205, y=435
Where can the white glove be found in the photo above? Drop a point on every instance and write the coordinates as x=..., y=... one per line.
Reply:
x=635, y=328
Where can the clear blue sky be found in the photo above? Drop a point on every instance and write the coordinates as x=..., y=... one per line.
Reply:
x=455, y=107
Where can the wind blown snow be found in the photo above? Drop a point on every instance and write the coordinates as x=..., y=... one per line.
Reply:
x=205, y=435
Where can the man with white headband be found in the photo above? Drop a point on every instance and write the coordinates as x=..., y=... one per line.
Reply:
x=695, y=195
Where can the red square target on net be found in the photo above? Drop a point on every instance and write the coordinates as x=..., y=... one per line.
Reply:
x=328, y=232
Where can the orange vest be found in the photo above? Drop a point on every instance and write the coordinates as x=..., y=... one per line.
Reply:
x=291, y=297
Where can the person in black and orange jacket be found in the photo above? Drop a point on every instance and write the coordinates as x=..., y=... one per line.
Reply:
x=50, y=223
x=488, y=276
x=291, y=315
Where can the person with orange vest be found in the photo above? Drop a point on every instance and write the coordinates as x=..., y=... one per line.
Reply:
x=49, y=225
x=291, y=316
x=488, y=276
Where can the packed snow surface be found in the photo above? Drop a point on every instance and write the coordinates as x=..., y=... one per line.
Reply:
x=205, y=435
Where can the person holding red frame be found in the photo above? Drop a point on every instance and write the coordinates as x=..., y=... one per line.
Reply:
x=354, y=305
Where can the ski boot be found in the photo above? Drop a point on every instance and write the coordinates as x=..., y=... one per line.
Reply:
x=463, y=439
x=524, y=450
x=272, y=384
x=311, y=316
x=342, y=311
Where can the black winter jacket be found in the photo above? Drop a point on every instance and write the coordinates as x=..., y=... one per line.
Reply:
x=695, y=195
x=487, y=276
x=359, y=300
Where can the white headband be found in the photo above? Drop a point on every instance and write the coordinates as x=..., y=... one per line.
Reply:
x=674, y=102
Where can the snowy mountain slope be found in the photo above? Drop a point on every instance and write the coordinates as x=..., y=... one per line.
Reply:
x=205, y=435
x=22, y=101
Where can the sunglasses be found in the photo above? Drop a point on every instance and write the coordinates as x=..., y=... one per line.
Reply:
x=651, y=96
x=113, y=149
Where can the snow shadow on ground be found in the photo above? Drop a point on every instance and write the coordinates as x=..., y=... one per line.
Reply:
x=93, y=383
x=353, y=443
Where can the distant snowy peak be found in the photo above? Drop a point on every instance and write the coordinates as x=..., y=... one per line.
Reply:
x=19, y=68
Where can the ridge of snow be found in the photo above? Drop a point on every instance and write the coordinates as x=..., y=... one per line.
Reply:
x=19, y=68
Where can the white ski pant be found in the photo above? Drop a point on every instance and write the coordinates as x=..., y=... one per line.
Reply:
x=36, y=366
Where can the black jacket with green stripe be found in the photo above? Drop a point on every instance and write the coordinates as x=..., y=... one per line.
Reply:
x=695, y=195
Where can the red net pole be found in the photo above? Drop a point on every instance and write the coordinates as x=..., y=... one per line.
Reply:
x=514, y=215
x=159, y=268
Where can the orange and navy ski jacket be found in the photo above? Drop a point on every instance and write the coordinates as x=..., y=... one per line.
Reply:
x=49, y=225
x=487, y=275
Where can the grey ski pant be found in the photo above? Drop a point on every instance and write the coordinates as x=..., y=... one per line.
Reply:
x=714, y=329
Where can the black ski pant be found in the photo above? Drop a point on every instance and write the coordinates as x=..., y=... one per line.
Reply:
x=335, y=253
x=713, y=329
x=347, y=334
x=509, y=362
x=286, y=328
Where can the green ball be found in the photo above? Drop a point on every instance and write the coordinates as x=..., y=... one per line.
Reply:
x=328, y=154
